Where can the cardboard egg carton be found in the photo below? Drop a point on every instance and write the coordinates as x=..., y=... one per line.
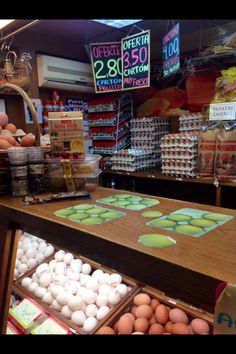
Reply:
x=191, y=311
x=20, y=290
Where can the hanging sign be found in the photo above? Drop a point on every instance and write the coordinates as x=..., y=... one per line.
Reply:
x=222, y=111
x=106, y=64
x=171, y=60
x=136, y=61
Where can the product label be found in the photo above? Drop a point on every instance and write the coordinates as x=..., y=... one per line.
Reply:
x=222, y=111
x=25, y=313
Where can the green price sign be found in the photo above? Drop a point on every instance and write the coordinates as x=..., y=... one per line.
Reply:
x=107, y=68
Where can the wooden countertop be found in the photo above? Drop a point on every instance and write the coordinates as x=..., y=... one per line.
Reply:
x=210, y=257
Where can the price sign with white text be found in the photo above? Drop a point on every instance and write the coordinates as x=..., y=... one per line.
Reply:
x=136, y=61
x=106, y=64
x=171, y=60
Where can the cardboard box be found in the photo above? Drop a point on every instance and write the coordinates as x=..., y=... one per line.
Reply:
x=225, y=311
x=51, y=326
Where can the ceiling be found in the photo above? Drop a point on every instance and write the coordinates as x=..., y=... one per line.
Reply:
x=51, y=36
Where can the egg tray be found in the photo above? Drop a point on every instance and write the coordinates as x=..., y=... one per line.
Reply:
x=18, y=289
x=191, y=311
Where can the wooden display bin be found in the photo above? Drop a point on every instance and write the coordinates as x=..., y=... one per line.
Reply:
x=191, y=311
x=17, y=288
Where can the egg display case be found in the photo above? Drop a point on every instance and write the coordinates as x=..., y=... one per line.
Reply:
x=129, y=283
x=147, y=311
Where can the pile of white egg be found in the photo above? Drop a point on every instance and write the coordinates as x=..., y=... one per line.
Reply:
x=31, y=251
x=14, y=300
x=66, y=285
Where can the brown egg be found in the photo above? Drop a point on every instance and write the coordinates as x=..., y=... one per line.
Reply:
x=180, y=328
x=162, y=314
x=169, y=326
x=177, y=315
x=9, y=139
x=115, y=327
x=125, y=325
x=105, y=330
x=131, y=316
x=11, y=127
x=190, y=329
x=152, y=320
x=4, y=145
x=200, y=326
x=154, y=303
x=27, y=140
x=156, y=328
x=144, y=311
x=142, y=299
x=141, y=325
x=137, y=333
x=133, y=310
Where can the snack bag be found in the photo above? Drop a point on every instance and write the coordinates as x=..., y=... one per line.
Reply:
x=225, y=311
x=225, y=165
x=206, y=153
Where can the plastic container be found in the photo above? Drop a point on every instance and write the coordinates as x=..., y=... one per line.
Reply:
x=19, y=171
x=79, y=168
x=35, y=154
x=89, y=183
x=36, y=169
x=20, y=187
x=17, y=156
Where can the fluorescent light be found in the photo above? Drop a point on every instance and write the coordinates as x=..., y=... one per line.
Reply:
x=118, y=23
x=4, y=23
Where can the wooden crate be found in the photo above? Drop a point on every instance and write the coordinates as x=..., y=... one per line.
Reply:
x=191, y=311
x=17, y=288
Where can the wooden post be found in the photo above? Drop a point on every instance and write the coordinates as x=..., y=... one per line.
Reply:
x=8, y=248
x=218, y=195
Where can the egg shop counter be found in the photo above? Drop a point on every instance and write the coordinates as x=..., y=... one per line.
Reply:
x=182, y=249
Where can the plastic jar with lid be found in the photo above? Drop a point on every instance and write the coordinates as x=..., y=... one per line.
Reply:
x=35, y=154
x=19, y=187
x=17, y=156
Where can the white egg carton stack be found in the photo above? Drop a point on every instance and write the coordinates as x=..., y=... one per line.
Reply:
x=80, y=294
x=31, y=251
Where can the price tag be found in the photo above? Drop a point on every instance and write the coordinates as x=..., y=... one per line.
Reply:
x=136, y=61
x=171, y=62
x=106, y=64
x=222, y=111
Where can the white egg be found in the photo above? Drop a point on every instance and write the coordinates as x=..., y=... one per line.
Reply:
x=102, y=312
x=17, y=263
x=72, y=275
x=104, y=289
x=35, y=244
x=114, y=297
x=25, y=238
x=56, y=306
x=42, y=247
x=26, y=246
x=92, y=284
x=97, y=274
x=83, y=278
x=22, y=268
x=86, y=268
x=75, y=303
x=60, y=279
x=25, y=282
x=71, y=287
x=35, y=239
x=31, y=263
x=20, y=244
x=66, y=311
x=34, y=277
x=91, y=310
x=42, y=268
x=76, y=265
x=60, y=268
x=48, y=251
x=89, y=324
x=52, y=265
x=40, y=292
x=122, y=289
x=115, y=279
x=104, y=278
x=32, y=287
x=63, y=297
x=48, y=298
x=81, y=291
x=45, y=279
x=24, y=259
x=68, y=258
x=39, y=257
x=59, y=255
x=89, y=296
x=16, y=273
x=78, y=317
x=19, y=253
x=56, y=290
x=102, y=300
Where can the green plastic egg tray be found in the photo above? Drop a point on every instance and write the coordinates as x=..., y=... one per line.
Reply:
x=129, y=201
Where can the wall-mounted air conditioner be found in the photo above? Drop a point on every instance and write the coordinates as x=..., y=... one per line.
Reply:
x=64, y=74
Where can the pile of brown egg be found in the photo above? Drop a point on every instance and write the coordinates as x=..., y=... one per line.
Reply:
x=149, y=316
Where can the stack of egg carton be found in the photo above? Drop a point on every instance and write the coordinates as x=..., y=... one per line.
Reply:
x=146, y=133
x=190, y=122
x=131, y=160
x=179, y=154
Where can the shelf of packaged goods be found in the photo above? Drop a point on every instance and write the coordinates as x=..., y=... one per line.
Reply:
x=109, y=122
x=189, y=270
